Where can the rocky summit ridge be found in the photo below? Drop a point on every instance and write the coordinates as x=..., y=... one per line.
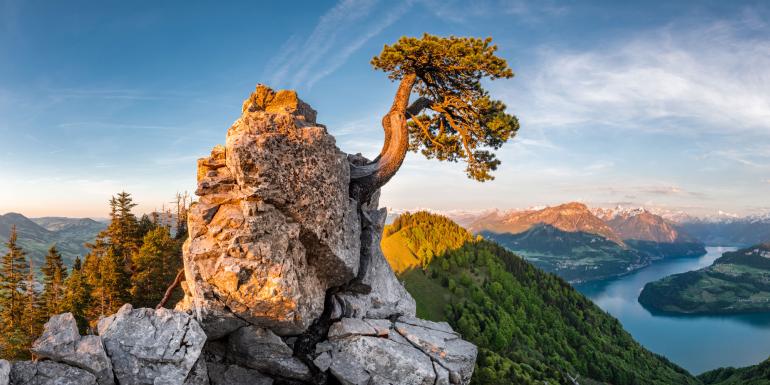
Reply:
x=285, y=281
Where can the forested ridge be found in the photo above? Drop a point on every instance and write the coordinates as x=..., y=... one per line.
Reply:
x=752, y=375
x=531, y=327
x=131, y=261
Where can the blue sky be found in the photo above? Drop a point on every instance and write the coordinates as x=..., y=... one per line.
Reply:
x=655, y=103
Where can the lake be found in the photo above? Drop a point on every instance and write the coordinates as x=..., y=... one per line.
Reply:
x=697, y=343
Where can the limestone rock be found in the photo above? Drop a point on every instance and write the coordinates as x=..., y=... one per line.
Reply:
x=235, y=375
x=450, y=359
x=388, y=296
x=274, y=226
x=5, y=372
x=263, y=350
x=48, y=373
x=362, y=360
x=61, y=342
x=151, y=347
x=444, y=346
x=199, y=374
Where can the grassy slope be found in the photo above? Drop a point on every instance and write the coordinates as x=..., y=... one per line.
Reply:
x=531, y=326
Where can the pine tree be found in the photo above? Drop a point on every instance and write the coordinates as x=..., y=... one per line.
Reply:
x=32, y=318
x=54, y=276
x=77, y=295
x=115, y=283
x=155, y=265
x=123, y=230
x=13, y=269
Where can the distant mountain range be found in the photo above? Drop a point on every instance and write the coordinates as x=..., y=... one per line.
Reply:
x=36, y=235
x=581, y=244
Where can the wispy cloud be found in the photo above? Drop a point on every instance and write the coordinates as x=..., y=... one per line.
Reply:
x=463, y=11
x=340, y=32
x=678, y=78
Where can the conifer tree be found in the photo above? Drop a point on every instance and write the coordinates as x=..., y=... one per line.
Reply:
x=13, y=269
x=12, y=272
x=155, y=265
x=115, y=283
x=54, y=276
x=32, y=318
x=77, y=295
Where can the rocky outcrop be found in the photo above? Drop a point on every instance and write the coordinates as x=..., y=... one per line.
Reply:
x=148, y=346
x=62, y=342
x=49, y=373
x=285, y=281
x=274, y=228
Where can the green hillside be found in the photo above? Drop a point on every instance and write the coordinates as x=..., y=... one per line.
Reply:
x=737, y=282
x=752, y=375
x=531, y=327
x=413, y=239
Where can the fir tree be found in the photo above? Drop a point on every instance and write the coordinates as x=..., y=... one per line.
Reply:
x=12, y=273
x=54, y=276
x=77, y=295
x=155, y=265
x=115, y=283
x=14, y=267
x=32, y=318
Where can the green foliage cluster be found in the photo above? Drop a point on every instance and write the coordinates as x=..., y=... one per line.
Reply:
x=132, y=260
x=427, y=235
x=531, y=327
x=459, y=120
x=752, y=375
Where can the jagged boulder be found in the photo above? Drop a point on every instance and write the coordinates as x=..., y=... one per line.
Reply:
x=61, y=342
x=406, y=351
x=49, y=373
x=274, y=227
x=151, y=347
x=263, y=350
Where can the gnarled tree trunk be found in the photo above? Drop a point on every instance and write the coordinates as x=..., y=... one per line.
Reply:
x=366, y=179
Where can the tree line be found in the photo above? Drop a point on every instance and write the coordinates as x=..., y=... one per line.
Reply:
x=131, y=261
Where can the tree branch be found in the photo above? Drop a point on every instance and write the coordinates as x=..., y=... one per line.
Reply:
x=426, y=132
x=170, y=290
x=418, y=105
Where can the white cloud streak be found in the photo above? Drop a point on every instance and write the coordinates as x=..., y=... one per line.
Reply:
x=715, y=77
x=340, y=32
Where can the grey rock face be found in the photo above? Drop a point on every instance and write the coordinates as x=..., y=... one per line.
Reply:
x=235, y=375
x=388, y=296
x=363, y=360
x=399, y=353
x=263, y=350
x=48, y=373
x=445, y=347
x=5, y=372
x=199, y=374
x=61, y=342
x=151, y=347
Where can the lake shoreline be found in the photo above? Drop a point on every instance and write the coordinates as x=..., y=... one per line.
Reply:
x=688, y=340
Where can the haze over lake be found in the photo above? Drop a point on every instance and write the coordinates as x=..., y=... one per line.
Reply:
x=697, y=343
